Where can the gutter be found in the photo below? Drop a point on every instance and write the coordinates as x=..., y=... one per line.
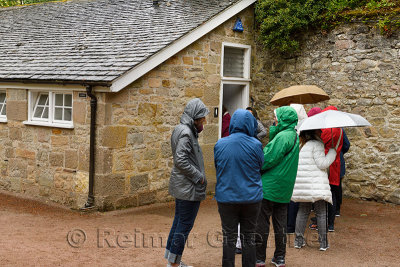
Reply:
x=93, y=110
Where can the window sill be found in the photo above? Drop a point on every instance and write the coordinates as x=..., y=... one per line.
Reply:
x=3, y=120
x=235, y=79
x=47, y=124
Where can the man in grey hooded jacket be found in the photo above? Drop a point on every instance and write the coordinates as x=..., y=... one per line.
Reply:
x=188, y=181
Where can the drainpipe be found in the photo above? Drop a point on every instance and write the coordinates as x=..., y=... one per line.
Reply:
x=93, y=109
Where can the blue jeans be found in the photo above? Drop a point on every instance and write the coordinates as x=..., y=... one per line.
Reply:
x=185, y=214
x=293, y=208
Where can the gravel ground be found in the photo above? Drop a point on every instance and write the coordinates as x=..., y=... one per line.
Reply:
x=37, y=234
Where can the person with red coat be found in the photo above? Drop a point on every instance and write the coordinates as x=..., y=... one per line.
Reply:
x=330, y=137
x=226, y=120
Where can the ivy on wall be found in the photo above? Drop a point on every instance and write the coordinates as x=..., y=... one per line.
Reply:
x=8, y=3
x=281, y=22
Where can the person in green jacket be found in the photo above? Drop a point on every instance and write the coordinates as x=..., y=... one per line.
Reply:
x=281, y=157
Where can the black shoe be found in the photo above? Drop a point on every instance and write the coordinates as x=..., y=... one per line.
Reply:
x=238, y=251
x=278, y=261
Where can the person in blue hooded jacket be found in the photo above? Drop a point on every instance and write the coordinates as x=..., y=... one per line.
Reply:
x=238, y=160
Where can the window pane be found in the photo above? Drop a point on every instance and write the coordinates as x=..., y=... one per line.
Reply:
x=4, y=110
x=46, y=113
x=67, y=114
x=58, y=113
x=59, y=100
x=233, y=62
x=43, y=99
x=2, y=97
x=38, y=112
x=68, y=100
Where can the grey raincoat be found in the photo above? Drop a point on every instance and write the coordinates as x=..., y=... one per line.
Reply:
x=188, y=171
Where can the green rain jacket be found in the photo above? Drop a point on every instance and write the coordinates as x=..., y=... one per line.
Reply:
x=281, y=157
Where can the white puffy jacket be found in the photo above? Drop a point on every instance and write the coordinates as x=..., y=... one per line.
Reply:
x=312, y=182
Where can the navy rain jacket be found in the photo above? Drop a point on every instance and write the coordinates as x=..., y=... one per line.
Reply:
x=238, y=159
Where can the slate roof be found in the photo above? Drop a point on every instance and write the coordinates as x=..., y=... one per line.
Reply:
x=93, y=40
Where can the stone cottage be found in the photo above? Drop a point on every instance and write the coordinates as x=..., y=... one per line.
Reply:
x=130, y=66
x=91, y=90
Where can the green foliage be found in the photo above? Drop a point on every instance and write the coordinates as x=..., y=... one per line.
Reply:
x=8, y=3
x=281, y=22
x=373, y=5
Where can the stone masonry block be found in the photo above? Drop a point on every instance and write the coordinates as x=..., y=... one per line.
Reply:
x=103, y=160
x=71, y=159
x=147, y=198
x=147, y=110
x=56, y=159
x=154, y=82
x=114, y=136
x=139, y=183
x=83, y=158
x=57, y=141
x=24, y=153
x=15, y=133
x=123, y=162
x=17, y=110
x=16, y=95
x=210, y=134
x=17, y=168
x=79, y=113
x=118, y=98
x=111, y=184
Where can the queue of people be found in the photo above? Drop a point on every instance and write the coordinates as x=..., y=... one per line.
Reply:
x=254, y=183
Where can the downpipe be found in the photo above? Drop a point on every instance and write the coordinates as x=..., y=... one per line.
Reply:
x=93, y=110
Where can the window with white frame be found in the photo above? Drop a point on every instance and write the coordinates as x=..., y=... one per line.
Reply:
x=3, y=106
x=50, y=109
x=235, y=61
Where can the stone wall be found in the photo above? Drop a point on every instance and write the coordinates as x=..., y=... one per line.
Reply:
x=359, y=69
x=45, y=162
x=142, y=117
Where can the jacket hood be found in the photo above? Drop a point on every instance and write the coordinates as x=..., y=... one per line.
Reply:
x=314, y=111
x=243, y=121
x=287, y=117
x=301, y=112
x=329, y=108
x=195, y=109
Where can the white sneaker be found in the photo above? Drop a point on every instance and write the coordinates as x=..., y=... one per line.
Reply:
x=182, y=264
x=323, y=248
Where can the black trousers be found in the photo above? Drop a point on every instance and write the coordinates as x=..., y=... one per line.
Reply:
x=335, y=190
x=278, y=211
x=246, y=215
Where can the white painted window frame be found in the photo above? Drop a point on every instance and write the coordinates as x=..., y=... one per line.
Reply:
x=246, y=65
x=234, y=80
x=50, y=122
x=245, y=99
x=3, y=118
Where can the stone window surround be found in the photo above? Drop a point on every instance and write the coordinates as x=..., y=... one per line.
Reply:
x=32, y=95
x=3, y=118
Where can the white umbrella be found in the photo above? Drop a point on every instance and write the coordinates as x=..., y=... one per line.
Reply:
x=333, y=119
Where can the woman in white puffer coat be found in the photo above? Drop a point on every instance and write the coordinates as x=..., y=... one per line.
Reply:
x=312, y=186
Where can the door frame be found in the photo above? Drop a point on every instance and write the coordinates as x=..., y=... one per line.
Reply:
x=245, y=99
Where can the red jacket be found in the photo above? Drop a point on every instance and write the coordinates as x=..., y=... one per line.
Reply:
x=226, y=119
x=334, y=169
